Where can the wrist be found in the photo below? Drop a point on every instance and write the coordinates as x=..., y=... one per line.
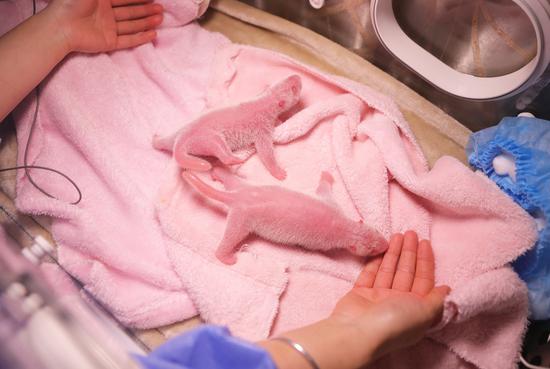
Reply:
x=363, y=343
x=330, y=342
x=57, y=29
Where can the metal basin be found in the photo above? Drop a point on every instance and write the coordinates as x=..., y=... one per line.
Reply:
x=469, y=36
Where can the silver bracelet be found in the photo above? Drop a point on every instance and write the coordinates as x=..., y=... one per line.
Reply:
x=296, y=346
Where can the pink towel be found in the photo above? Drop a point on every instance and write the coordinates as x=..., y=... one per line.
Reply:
x=97, y=117
x=381, y=177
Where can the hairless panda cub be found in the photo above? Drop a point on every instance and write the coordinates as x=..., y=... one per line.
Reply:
x=286, y=216
x=240, y=126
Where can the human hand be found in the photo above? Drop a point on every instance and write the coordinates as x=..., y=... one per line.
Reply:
x=394, y=296
x=93, y=26
x=392, y=305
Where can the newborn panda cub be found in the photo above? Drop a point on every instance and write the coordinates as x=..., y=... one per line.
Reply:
x=286, y=217
x=248, y=124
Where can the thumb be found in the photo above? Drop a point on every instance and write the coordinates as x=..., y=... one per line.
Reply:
x=435, y=300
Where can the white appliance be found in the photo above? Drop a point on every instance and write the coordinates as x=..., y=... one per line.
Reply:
x=478, y=60
x=507, y=29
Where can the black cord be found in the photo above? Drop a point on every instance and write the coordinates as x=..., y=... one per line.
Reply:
x=26, y=166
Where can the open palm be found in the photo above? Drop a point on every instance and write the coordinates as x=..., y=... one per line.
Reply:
x=398, y=289
x=105, y=25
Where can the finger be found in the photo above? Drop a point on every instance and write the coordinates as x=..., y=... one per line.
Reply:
x=138, y=25
x=404, y=275
x=424, y=278
x=384, y=277
x=129, y=2
x=123, y=13
x=368, y=274
x=435, y=300
x=126, y=41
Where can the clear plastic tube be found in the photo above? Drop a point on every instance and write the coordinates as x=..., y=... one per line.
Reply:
x=38, y=331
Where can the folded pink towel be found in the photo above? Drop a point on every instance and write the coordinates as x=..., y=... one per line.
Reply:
x=381, y=176
x=96, y=120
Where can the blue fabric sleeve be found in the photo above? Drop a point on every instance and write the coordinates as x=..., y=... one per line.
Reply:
x=207, y=347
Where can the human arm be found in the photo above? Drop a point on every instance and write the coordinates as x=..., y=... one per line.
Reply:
x=32, y=49
x=391, y=306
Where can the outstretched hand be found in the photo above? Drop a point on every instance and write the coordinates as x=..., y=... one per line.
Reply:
x=398, y=290
x=105, y=25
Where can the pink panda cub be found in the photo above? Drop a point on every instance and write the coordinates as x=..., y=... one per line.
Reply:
x=221, y=131
x=286, y=216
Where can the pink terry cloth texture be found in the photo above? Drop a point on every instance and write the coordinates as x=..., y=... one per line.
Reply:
x=361, y=138
x=97, y=117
